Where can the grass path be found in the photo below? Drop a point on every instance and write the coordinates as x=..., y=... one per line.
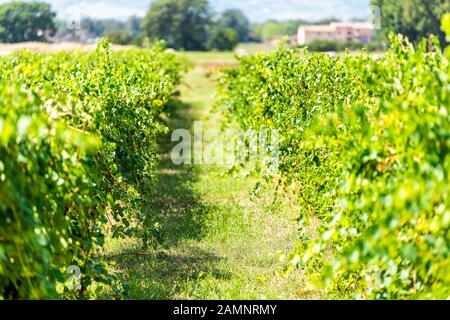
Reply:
x=219, y=240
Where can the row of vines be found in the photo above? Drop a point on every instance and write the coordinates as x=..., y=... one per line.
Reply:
x=366, y=147
x=77, y=155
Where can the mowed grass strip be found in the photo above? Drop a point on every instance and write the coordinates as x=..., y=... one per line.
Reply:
x=220, y=239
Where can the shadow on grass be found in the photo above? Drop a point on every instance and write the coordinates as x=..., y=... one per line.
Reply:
x=172, y=199
x=166, y=273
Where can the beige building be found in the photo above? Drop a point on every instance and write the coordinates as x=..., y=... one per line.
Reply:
x=336, y=31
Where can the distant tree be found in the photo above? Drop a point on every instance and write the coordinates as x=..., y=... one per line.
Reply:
x=235, y=19
x=120, y=37
x=134, y=29
x=271, y=29
x=327, y=21
x=291, y=27
x=223, y=39
x=138, y=39
x=118, y=32
x=134, y=25
x=413, y=18
x=26, y=21
x=255, y=32
x=183, y=24
x=96, y=27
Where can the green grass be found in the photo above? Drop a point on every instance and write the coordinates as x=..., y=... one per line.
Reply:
x=208, y=57
x=220, y=241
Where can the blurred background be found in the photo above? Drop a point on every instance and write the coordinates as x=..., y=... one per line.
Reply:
x=220, y=25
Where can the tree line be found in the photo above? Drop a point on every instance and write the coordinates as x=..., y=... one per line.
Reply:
x=183, y=24
x=193, y=25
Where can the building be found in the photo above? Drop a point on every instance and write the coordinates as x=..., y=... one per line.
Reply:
x=294, y=39
x=336, y=31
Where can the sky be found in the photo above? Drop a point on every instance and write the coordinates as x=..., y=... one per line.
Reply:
x=256, y=10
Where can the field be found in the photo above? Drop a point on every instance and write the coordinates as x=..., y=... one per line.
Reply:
x=353, y=203
x=6, y=49
x=73, y=46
